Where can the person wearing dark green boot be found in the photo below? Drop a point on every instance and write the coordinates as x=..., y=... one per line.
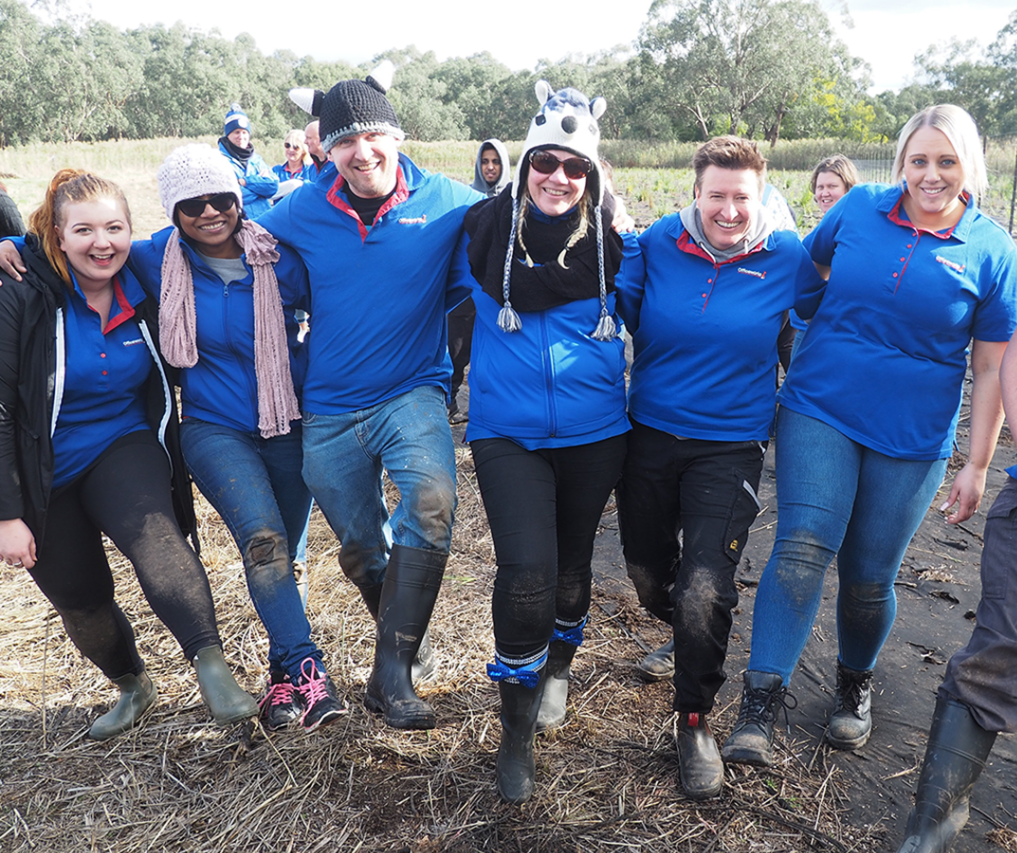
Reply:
x=137, y=695
x=547, y=410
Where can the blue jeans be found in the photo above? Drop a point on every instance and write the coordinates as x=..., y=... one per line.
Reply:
x=255, y=484
x=344, y=458
x=836, y=498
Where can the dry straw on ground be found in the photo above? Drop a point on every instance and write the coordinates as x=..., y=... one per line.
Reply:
x=606, y=782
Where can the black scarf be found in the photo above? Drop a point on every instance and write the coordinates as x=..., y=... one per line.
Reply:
x=241, y=154
x=547, y=284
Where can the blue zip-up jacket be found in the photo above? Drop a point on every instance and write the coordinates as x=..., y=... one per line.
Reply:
x=260, y=184
x=307, y=173
x=380, y=294
x=550, y=384
x=222, y=388
x=705, y=334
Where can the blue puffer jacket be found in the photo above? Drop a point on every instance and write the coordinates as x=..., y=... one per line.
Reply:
x=222, y=387
x=259, y=183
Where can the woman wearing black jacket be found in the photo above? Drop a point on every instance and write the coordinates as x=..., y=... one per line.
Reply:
x=88, y=446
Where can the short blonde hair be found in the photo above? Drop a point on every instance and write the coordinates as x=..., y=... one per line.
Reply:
x=960, y=129
x=300, y=138
x=836, y=164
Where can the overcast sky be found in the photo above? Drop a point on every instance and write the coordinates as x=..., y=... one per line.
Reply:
x=886, y=34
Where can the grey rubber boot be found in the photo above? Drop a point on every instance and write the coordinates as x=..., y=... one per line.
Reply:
x=412, y=582
x=955, y=757
x=224, y=697
x=556, y=685
x=517, y=768
x=751, y=741
x=851, y=721
x=137, y=695
x=701, y=770
x=658, y=665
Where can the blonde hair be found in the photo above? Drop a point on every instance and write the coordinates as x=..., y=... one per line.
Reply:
x=584, y=208
x=301, y=138
x=961, y=131
x=69, y=186
x=836, y=164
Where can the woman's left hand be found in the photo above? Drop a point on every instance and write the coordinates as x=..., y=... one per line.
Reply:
x=966, y=492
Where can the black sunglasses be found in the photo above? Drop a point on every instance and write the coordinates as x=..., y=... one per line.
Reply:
x=194, y=207
x=547, y=164
x=291, y=145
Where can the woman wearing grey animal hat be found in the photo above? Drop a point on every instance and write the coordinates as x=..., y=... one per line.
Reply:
x=547, y=415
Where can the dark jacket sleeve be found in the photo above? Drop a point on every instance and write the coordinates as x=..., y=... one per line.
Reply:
x=11, y=316
x=11, y=224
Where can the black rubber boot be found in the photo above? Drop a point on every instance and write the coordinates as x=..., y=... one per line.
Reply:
x=517, y=767
x=412, y=581
x=658, y=664
x=137, y=695
x=424, y=666
x=851, y=721
x=700, y=770
x=556, y=685
x=751, y=741
x=223, y=696
x=957, y=752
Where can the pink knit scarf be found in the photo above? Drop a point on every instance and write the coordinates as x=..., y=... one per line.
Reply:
x=277, y=401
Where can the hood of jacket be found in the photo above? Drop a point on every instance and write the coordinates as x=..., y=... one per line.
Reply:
x=479, y=183
x=692, y=219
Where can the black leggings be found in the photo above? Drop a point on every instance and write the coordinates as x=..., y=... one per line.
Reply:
x=544, y=507
x=126, y=495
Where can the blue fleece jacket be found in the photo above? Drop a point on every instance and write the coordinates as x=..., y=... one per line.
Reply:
x=222, y=387
x=380, y=294
x=260, y=184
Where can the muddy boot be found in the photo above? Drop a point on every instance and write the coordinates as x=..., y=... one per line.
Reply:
x=556, y=685
x=851, y=722
x=517, y=767
x=658, y=664
x=137, y=695
x=424, y=666
x=751, y=741
x=700, y=770
x=412, y=581
x=227, y=702
x=957, y=752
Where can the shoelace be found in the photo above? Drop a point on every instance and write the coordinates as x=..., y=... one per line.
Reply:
x=852, y=690
x=278, y=694
x=759, y=704
x=313, y=685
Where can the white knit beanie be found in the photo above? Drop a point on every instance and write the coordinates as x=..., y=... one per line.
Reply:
x=195, y=170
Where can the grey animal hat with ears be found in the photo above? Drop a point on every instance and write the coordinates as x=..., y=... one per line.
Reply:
x=567, y=119
x=352, y=107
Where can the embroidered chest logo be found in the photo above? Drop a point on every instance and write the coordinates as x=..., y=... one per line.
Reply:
x=952, y=264
x=755, y=273
x=413, y=220
x=133, y=343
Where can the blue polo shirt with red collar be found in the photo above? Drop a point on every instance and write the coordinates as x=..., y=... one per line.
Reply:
x=886, y=353
x=705, y=334
x=103, y=384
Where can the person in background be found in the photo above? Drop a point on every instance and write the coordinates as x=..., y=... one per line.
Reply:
x=298, y=166
x=257, y=182
x=89, y=445
x=313, y=141
x=701, y=405
x=228, y=295
x=831, y=180
x=386, y=257
x=548, y=421
x=867, y=419
x=491, y=174
x=11, y=224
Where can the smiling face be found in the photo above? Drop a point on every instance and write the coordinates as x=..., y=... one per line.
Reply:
x=212, y=230
x=240, y=137
x=96, y=238
x=829, y=189
x=490, y=165
x=555, y=194
x=935, y=179
x=368, y=162
x=294, y=152
x=728, y=201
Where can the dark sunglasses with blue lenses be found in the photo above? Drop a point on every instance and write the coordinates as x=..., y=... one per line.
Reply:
x=194, y=207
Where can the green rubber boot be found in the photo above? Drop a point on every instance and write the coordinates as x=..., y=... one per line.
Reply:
x=137, y=695
x=227, y=702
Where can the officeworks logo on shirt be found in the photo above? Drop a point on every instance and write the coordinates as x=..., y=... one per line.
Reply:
x=134, y=343
x=413, y=220
x=756, y=273
x=952, y=264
